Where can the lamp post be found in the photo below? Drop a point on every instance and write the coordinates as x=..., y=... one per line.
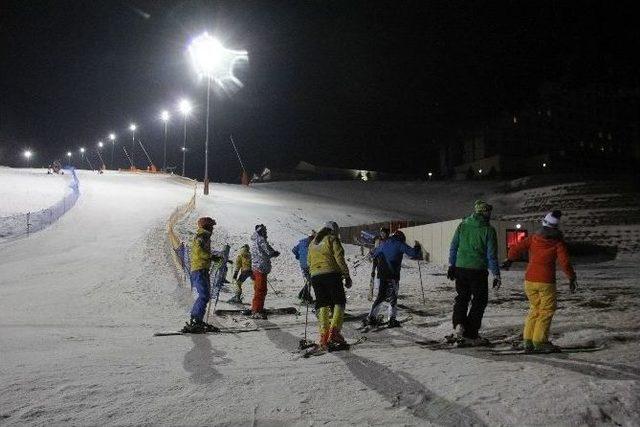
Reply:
x=100, y=145
x=81, y=156
x=164, y=116
x=112, y=137
x=132, y=128
x=213, y=61
x=185, y=108
x=27, y=155
x=69, y=154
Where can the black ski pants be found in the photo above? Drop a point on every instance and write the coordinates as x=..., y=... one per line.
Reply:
x=471, y=286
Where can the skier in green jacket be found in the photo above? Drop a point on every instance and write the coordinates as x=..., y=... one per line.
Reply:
x=473, y=250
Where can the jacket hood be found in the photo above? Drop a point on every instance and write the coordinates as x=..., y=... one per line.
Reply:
x=476, y=220
x=203, y=231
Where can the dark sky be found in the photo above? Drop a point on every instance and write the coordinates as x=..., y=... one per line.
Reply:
x=348, y=83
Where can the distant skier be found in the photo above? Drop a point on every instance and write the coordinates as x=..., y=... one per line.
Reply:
x=329, y=271
x=473, y=249
x=300, y=251
x=388, y=258
x=544, y=248
x=261, y=254
x=201, y=258
x=241, y=273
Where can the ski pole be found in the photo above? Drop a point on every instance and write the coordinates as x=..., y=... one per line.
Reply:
x=306, y=316
x=424, y=302
x=275, y=291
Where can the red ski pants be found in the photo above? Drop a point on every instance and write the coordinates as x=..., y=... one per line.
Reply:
x=259, y=291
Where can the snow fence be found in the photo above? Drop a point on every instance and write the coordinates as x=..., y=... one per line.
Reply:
x=23, y=224
x=179, y=252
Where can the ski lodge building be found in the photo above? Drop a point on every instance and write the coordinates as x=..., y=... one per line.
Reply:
x=436, y=238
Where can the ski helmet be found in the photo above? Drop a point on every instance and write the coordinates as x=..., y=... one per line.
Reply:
x=482, y=207
x=333, y=226
x=385, y=231
x=206, y=222
x=399, y=235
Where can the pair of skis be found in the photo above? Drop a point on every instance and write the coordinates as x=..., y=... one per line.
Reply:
x=504, y=351
x=381, y=326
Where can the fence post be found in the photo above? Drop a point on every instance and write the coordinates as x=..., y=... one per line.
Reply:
x=28, y=222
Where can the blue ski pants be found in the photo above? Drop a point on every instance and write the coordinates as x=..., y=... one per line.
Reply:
x=200, y=282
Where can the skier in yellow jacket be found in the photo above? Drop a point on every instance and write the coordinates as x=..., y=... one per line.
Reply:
x=328, y=270
x=242, y=272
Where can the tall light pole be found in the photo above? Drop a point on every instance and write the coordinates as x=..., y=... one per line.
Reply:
x=27, y=155
x=132, y=128
x=69, y=154
x=185, y=108
x=100, y=145
x=112, y=137
x=213, y=61
x=164, y=116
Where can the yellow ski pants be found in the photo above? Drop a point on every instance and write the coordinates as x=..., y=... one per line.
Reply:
x=542, y=306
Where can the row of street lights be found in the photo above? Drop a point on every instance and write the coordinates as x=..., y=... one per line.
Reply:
x=212, y=61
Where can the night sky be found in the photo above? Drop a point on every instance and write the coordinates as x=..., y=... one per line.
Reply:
x=372, y=85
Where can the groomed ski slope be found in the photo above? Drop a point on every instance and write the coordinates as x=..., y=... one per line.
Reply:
x=79, y=303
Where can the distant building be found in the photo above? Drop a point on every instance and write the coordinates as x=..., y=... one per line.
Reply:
x=593, y=129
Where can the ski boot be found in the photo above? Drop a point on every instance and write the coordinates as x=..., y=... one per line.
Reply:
x=369, y=322
x=196, y=326
x=393, y=323
x=259, y=315
x=546, y=347
x=478, y=341
x=336, y=341
x=236, y=299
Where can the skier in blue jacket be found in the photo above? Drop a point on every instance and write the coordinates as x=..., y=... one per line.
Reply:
x=300, y=251
x=388, y=257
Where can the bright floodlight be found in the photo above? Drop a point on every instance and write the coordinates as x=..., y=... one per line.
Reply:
x=100, y=144
x=82, y=149
x=164, y=115
x=132, y=127
x=112, y=136
x=184, y=106
x=69, y=153
x=213, y=60
x=27, y=154
x=518, y=226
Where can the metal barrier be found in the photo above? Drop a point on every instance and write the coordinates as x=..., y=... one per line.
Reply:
x=15, y=226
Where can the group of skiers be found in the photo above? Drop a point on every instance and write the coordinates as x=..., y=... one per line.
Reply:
x=472, y=254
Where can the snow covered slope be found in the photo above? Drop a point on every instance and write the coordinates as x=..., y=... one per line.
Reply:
x=28, y=190
x=79, y=303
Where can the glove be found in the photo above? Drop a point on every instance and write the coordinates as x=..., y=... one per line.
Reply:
x=573, y=285
x=451, y=272
x=229, y=261
x=497, y=282
x=235, y=274
x=347, y=282
x=506, y=264
x=275, y=254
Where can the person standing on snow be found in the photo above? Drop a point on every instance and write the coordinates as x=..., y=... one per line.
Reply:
x=261, y=254
x=544, y=248
x=300, y=251
x=388, y=258
x=328, y=271
x=473, y=249
x=201, y=257
x=241, y=273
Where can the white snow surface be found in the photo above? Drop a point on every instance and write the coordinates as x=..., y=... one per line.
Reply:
x=29, y=190
x=79, y=303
